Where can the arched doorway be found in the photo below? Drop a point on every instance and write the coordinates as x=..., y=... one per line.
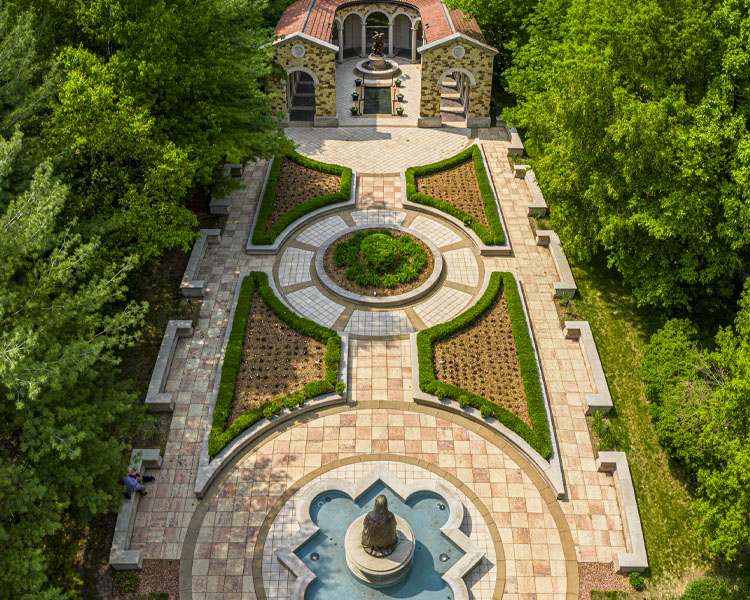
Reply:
x=377, y=22
x=300, y=97
x=402, y=37
x=352, y=35
x=455, y=95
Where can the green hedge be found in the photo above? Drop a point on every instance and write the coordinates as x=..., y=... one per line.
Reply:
x=538, y=437
x=494, y=237
x=263, y=234
x=220, y=434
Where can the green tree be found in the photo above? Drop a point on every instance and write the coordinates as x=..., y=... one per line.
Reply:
x=63, y=408
x=637, y=129
x=128, y=180
x=700, y=402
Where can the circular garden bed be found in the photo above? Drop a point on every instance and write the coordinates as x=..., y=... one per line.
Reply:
x=378, y=261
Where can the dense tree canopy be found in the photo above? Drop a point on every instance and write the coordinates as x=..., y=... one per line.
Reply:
x=700, y=402
x=112, y=116
x=636, y=117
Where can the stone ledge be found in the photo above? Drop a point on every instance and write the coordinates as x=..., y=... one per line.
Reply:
x=538, y=205
x=551, y=471
x=637, y=558
x=519, y=171
x=567, y=285
x=233, y=170
x=156, y=399
x=219, y=206
x=516, y=147
x=601, y=401
x=430, y=122
x=293, y=227
x=120, y=557
x=190, y=286
x=209, y=468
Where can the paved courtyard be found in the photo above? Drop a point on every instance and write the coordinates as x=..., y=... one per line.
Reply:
x=533, y=541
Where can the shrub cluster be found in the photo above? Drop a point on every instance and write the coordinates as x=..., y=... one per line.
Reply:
x=265, y=234
x=538, y=437
x=387, y=258
x=494, y=237
x=220, y=434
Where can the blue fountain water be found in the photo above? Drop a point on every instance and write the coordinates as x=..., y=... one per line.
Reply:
x=433, y=556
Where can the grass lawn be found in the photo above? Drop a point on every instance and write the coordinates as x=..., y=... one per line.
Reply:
x=621, y=331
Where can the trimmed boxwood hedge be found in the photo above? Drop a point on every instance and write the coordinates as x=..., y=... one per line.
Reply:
x=538, y=437
x=220, y=434
x=263, y=234
x=494, y=237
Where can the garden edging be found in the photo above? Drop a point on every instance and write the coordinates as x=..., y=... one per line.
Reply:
x=550, y=470
x=209, y=468
x=251, y=248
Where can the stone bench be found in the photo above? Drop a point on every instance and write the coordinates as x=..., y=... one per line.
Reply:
x=219, y=206
x=637, y=558
x=156, y=399
x=515, y=148
x=519, y=171
x=567, y=284
x=120, y=556
x=190, y=286
x=601, y=401
x=233, y=170
x=538, y=206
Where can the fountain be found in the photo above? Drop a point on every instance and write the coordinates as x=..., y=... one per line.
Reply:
x=344, y=550
x=377, y=66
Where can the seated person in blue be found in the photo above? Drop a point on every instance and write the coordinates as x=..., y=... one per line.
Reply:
x=132, y=482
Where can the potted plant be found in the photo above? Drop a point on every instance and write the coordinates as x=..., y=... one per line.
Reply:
x=398, y=83
x=354, y=110
x=355, y=96
x=400, y=111
x=400, y=97
x=358, y=81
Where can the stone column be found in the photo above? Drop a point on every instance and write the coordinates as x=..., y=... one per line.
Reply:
x=364, y=39
x=414, y=44
x=390, y=38
x=341, y=40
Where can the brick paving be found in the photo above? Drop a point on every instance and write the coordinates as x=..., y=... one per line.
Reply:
x=539, y=535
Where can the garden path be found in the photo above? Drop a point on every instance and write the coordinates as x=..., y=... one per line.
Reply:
x=540, y=537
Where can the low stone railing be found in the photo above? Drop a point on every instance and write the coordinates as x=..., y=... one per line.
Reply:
x=538, y=205
x=190, y=286
x=567, y=284
x=157, y=400
x=637, y=558
x=601, y=401
x=120, y=555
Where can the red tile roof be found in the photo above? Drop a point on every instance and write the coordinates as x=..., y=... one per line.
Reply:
x=315, y=18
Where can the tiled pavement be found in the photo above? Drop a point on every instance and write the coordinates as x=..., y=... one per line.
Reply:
x=535, y=529
x=378, y=149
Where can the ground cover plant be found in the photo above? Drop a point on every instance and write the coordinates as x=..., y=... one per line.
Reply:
x=296, y=186
x=378, y=259
x=535, y=431
x=460, y=187
x=222, y=432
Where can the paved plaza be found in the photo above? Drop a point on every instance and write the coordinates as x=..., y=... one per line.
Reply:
x=532, y=540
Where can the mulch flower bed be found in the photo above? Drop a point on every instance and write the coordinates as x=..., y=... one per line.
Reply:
x=458, y=186
x=275, y=360
x=482, y=359
x=297, y=185
x=600, y=577
x=338, y=273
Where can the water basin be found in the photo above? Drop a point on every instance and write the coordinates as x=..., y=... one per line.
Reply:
x=324, y=554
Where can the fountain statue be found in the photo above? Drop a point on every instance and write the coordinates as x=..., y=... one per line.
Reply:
x=379, y=536
x=378, y=39
x=379, y=546
x=376, y=66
